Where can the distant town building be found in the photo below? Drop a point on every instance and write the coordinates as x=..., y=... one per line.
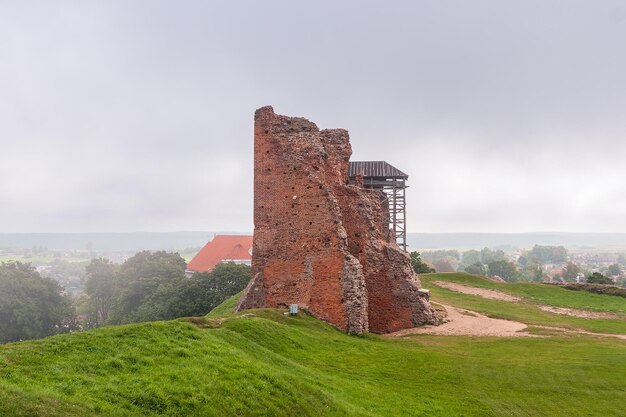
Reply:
x=223, y=248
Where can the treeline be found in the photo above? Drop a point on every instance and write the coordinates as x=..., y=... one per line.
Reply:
x=453, y=260
x=531, y=265
x=31, y=306
x=153, y=286
x=484, y=262
x=148, y=286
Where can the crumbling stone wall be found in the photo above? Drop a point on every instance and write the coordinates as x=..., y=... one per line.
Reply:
x=394, y=299
x=320, y=243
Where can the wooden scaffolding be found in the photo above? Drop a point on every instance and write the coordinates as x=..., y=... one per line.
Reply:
x=390, y=180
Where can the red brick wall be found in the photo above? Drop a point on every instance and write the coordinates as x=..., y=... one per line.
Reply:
x=318, y=242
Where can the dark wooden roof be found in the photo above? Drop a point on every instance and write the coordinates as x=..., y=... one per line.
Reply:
x=377, y=169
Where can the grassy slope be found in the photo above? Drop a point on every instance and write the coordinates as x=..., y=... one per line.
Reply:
x=226, y=307
x=537, y=293
x=269, y=364
x=533, y=295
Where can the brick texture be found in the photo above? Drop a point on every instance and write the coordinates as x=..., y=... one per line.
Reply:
x=320, y=243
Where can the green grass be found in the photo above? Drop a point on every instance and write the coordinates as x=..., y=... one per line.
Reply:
x=263, y=363
x=226, y=307
x=533, y=295
x=537, y=293
x=273, y=365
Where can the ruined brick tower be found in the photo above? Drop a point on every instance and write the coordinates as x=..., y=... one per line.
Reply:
x=321, y=243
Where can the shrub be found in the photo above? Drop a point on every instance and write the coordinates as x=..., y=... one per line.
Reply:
x=598, y=289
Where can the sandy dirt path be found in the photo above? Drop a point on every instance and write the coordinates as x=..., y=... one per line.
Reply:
x=481, y=292
x=463, y=322
x=501, y=296
x=570, y=331
x=584, y=314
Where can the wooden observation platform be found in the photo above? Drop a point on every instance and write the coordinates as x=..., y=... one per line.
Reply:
x=383, y=176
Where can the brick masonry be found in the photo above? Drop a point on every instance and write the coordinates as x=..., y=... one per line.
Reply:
x=321, y=243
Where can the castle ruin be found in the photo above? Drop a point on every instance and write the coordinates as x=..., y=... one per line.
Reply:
x=321, y=242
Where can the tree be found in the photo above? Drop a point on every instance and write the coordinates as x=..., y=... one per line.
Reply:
x=531, y=272
x=203, y=292
x=100, y=286
x=153, y=286
x=471, y=257
x=614, y=270
x=547, y=254
x=418, y=265
x=570, y=272
x=504, y=269
x=31, y=306
x=143, y=281
x=523, y=261
x=487, y=255
x=447, y=254
x=537, y=273
x=476, y=269
x=598, y=278
x=443, y=265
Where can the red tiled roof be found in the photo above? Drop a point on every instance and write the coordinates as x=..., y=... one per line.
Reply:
x=221, y=248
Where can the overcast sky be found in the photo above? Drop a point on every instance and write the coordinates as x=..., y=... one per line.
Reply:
x=508, y=116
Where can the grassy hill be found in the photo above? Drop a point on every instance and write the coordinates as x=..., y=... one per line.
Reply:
x=263, y=363
x=533, y=295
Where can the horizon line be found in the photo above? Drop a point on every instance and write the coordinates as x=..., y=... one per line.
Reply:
x=250, y=232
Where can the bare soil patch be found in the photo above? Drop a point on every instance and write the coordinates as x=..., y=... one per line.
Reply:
x=461, y=322
x=584, y=314
x=481, y=292
x=571, y=331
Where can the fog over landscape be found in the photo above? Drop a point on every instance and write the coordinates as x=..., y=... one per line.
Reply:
x=137, y=116
x=178, y=238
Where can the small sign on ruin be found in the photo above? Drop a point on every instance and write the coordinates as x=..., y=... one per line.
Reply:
x=321, y=242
